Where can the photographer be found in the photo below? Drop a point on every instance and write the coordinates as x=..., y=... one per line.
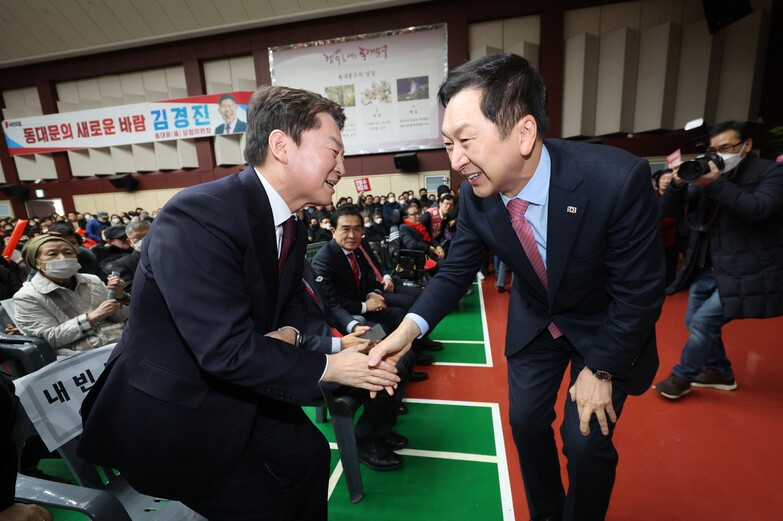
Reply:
x=734, y=261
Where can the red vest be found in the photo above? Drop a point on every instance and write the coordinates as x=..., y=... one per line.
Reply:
x=436, y=227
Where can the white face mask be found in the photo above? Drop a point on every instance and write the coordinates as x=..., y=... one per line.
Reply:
x=115, y=222
x=137, y=245
x=87, y=217
x=326, y=226
x=378, y=221
x=391, y=200
x=730, y=161
x=61, y=268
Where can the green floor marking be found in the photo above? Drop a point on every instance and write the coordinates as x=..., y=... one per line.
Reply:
x=463, y=322
x=460, y=353
x=424, y=489
x=448, y=428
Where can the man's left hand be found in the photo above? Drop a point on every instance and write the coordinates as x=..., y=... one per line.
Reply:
x=592, y=396
x=709, y=177
x=388, y=286
x=118, y=285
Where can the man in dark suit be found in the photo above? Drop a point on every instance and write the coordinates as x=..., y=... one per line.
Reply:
x=227, y=106
x=126, y=265
x=198, y=401
x=578, y=225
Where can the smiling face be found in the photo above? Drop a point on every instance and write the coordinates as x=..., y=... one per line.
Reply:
x=476, y=149
x=228, y=110
x=317, y=162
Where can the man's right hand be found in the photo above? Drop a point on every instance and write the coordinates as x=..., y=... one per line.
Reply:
x=375, y=302
x=107, y=307
x=393, y=347
x=350, y=367
x=353, y=339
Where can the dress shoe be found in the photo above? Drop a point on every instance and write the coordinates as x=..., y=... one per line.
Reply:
x=427, y=344
x=418, y=376
x=403, y=409
x=395, y=441
x=377, y=456
x=422, y=359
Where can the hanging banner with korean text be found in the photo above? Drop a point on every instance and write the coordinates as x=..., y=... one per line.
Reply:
x=387, y=83
x=184, y=118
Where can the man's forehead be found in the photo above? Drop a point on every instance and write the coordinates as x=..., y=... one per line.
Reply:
x=349, y=220
x=727, y=136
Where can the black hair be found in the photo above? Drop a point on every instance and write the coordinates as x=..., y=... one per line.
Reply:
x=510, y=88
x=740, y=127
x=346, y=209
x=225, y=97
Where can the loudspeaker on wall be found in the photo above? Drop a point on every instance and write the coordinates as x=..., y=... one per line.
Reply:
x=124, y=181
x=408, y=161
x=14, y=190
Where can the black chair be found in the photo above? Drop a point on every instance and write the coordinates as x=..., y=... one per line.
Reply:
x=407, y=264
x=21, y=354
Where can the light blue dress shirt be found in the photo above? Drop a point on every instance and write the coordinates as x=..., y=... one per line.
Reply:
x=535, y=192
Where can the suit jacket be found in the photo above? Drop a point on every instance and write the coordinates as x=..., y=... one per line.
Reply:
x=410, y=239
x=239, y=126
x=339, y=282
x=194, y=373
x=604, y=262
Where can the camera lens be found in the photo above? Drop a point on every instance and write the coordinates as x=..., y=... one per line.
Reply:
x=692, y=170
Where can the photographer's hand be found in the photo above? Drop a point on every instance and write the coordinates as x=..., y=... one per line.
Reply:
x=708, y=178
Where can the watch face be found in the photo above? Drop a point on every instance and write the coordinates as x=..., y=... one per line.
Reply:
x=603, y=376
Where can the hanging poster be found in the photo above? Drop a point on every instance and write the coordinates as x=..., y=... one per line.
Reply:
x=387, y=82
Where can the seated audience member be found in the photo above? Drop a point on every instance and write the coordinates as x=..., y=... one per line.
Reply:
x=355, y=282
x=312, y=227
x=387, y=209
x=437, y=219
x=375, y=440
x=9, y=460
x=127, y=264
x=70, y=310
x=367, y=205
x=414, y=236
x=86, y=258
x=424, y=198
x=324, y=234
x=94, y=226
x=374, y=230
x=116, y=246
x=9, y=282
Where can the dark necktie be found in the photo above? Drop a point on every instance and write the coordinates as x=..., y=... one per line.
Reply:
x=517, y=209
x=289, y=236
x=355, y=268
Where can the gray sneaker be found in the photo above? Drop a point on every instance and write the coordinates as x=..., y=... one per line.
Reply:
x=673, y=387
x=715, y=380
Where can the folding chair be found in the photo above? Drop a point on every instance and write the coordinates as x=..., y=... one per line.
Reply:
x=51, y=398
x=21, y=355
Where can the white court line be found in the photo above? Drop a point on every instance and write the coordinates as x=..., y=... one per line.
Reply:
x=506, y=500
x=335, y=477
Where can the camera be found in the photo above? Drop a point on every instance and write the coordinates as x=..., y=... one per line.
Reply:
x=697, y=167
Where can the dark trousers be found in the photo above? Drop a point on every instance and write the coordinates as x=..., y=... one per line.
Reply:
x=534, y=376
x=8, y=454
x=283, y=472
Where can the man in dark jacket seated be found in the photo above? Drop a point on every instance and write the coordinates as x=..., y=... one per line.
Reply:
x=356, y=283
x=116, y=246
x=127, y=264
x=734, y=261
x=318, y=322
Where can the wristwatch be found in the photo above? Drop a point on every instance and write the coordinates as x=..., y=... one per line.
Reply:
x=602, y=375
x=298, y=337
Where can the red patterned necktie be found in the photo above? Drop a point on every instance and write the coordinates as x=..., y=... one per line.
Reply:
x=228, y=128
x=355, y=268
x=517, y=209
x=289, y=236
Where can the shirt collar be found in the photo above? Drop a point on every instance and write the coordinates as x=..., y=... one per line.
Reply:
x=536, y=191
x=280, y=211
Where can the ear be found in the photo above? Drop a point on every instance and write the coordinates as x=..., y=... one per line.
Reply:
x=527, y=130
x=749, y=145
x=278, y=146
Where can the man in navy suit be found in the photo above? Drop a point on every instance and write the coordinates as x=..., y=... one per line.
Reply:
x=227, y=106
x=198, y=401
x=589, y=268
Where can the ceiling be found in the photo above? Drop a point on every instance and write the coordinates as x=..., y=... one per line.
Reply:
x=41, y=30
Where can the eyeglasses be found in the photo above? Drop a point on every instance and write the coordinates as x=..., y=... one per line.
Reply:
x=724, y=148
x=411, y=214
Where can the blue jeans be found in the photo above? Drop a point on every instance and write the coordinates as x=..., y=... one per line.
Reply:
x=704, y=319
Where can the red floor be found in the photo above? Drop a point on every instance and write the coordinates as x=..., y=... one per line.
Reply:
x=713, y=455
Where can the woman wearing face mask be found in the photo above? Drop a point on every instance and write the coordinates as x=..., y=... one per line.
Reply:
x=70, y=310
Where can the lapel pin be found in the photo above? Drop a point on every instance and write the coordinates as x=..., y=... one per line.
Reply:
x=571, y=209
x=319, y=279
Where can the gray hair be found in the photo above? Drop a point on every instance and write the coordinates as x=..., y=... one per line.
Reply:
x=136, y=225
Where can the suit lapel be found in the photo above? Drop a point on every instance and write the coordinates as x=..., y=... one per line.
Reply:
x=566, y=208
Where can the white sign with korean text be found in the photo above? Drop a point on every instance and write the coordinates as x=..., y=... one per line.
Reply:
x=53, y=395
x=386, y=82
